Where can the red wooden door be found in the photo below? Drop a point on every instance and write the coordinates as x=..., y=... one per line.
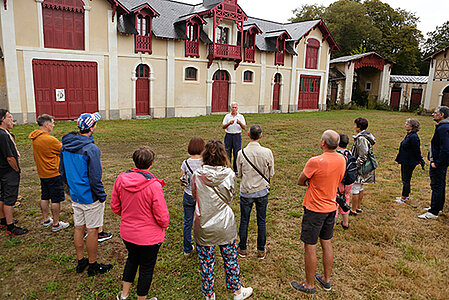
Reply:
x=395, y=97
x=220, y=91
x=142, y=90
x=416, y=98
x=309, y=92
x=334, y=90
x=76, y=80
x=276, y=91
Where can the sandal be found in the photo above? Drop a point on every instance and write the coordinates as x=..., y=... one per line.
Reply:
x=302, y=287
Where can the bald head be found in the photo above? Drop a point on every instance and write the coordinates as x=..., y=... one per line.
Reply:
x=331, y=139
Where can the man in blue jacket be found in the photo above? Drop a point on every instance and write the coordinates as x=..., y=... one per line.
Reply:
x=439, y=162
x=81, y=170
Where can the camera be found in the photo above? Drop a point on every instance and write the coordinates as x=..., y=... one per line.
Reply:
x=342, y=202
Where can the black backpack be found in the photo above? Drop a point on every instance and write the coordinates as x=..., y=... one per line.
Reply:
x=351, y=168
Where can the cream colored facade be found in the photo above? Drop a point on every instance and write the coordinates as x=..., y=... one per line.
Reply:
x=437, y=92
x=22, y=40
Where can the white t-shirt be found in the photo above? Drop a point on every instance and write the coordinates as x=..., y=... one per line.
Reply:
x=193, y=164
x=234, y=127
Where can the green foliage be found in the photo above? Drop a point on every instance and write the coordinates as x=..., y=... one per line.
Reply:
x=437, y=39
x=360, y=50
x=308, y=12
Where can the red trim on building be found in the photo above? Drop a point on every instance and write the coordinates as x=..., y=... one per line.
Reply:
x=69, y=5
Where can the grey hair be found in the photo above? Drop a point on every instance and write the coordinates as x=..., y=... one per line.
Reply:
x=331, y=139
x=255, y=132
x=233, y=103
x=444, y=110
x=416, y=126
x=42, y=119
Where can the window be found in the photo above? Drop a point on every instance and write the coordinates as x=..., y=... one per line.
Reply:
x=63, y=22
x=248, y=76
x=192, y=32
x=143, y=38
x=190, y=73
x=222, y=35
x=368, y=86
x=313, y=46
x=192, y=42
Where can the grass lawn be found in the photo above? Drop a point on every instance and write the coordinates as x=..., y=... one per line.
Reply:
x=388, y=253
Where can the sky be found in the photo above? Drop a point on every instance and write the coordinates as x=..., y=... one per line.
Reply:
x=431, y=13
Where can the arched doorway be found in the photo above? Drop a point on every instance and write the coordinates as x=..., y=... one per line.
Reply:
x=220, y=91
x=142, y=90
x=276, y=91
x=445, y=98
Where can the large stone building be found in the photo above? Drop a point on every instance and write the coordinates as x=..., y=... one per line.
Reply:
x=156, y=58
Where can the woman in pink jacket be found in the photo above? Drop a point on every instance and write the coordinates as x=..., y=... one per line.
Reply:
x=138, y=198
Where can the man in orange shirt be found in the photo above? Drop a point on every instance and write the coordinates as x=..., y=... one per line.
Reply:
x=321, y=175
x=46, y=151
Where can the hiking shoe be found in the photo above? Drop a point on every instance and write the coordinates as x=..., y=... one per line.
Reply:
x=96, y=268
x=16, y=231
x=48, y=223
x=262, y=255
x=61, y=225
x=359, y=210
x=244, y=293
x=344, y=226
x=4, y=225
x=241, y=253
x=352, y=213
x=104, y=236
x=302, y=287
x=82, y=265
x=325, y=285
x=427, y=216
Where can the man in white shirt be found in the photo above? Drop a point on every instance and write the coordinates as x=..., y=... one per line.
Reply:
x=233, y=124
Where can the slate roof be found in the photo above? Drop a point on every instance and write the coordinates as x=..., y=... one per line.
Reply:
x=172, y=12
x=436, y=53
x=409, y=79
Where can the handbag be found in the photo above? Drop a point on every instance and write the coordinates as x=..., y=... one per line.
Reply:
x=185, y=178
x=369, y=165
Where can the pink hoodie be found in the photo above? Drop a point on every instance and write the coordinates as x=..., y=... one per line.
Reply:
x=140, y=203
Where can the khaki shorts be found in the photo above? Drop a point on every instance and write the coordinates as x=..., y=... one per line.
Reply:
x=90, y=215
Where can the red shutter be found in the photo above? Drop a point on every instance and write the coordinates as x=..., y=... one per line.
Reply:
x=312, y=54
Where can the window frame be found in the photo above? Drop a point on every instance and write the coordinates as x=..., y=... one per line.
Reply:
x=245, y=80
x=313, y=45
x=191, y=79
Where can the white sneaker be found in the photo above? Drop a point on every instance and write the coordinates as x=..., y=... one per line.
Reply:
x=427, y=216
x=400, y=200
x=428, y=208
x=46, y=225
x=61, y=225
x=244, y=293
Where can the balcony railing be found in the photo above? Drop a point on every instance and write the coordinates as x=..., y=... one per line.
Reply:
x=249, y=54
x=143, y=43
x=192, y=48
x=279, y=58
x=224, y=51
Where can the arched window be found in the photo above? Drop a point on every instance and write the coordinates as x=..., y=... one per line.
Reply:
x=191, y=73
x=63, y=24
x=248, y=76
x=313, y=47
x=142, y=71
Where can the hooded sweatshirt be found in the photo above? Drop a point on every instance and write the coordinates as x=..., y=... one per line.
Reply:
x=440, y=144
x=213, y=188
x=81, y=168
x=138, y=198
x=46, y=151
x=363, y=141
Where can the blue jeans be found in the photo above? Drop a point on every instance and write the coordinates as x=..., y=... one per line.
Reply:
x=246, y=204
x=438, y=186
x=189, y=209
x=233, y=143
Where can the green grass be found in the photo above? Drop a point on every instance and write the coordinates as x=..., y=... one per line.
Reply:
x=388, y=253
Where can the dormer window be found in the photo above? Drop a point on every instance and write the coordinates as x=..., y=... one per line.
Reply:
x=313, y=47
x=222, y=35
x=280, y=46
x=143, y=38
x=142, y=25
x=192, y=42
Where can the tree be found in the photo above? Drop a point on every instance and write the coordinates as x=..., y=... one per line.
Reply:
x=437, y=39
x=308, y=12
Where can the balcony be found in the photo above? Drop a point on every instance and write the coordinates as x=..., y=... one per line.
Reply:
x=249, y=54
x=223, y=51
x=279, y=58
x=192, y=48
x=143, y=43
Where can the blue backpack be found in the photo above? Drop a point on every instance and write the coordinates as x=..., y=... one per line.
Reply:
x=351, y=168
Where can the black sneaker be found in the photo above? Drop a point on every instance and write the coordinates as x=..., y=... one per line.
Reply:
x=97, y=268
x=104, y=236
x=2, y=226
x=82, y=265
x=16, y=231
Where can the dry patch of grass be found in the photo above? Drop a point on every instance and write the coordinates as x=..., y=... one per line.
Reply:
x=388, y=253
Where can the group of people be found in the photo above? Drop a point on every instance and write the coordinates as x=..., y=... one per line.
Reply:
x=210, y=184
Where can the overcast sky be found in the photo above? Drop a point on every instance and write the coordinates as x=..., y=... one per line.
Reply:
x=431, y=13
